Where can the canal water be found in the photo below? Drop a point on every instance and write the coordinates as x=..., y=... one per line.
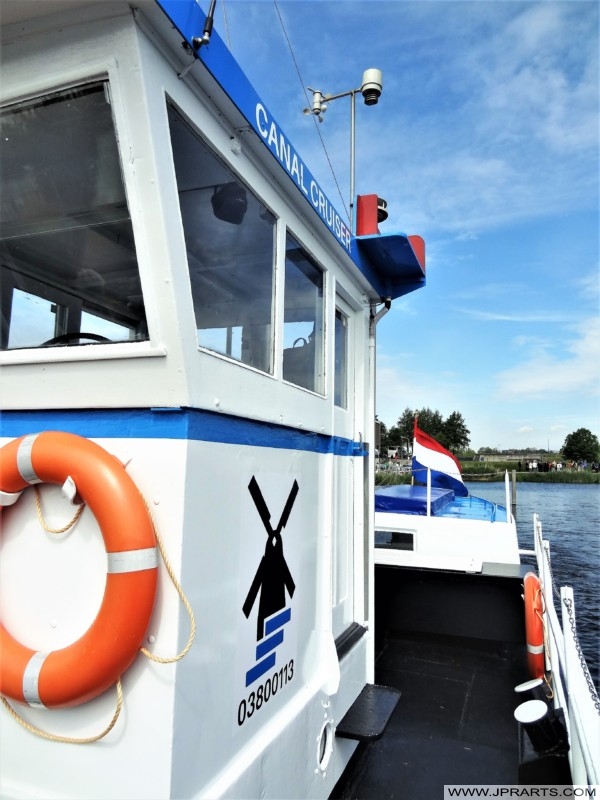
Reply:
x=570, y=516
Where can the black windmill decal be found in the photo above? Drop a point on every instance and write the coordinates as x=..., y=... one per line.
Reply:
x=273, y=576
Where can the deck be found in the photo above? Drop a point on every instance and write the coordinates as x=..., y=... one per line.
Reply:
x=454, y=722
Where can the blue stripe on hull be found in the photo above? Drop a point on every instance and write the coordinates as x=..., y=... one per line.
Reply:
x=266, y=645
x=259, y=670
x=175, y=423
x=277, y=622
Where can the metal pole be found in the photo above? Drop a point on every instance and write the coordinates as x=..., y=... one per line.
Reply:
x=514, y=488
x=352, y=158
x=428, y=492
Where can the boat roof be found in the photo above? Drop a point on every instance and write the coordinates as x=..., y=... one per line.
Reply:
x=405, y=499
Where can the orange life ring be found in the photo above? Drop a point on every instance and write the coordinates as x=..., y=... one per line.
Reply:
x=534, y=627
x=81, y=671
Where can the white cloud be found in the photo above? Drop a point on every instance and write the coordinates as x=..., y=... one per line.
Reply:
x=519, y=138
x=589, y=285
x=514, y=316
x=575, y=369
x=538, y=82
x=399, y=386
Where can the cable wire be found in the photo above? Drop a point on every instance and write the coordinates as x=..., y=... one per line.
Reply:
x=308, y=101
x=226, y=24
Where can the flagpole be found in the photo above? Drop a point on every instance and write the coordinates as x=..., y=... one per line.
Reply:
x=428, y=492
x=412, y=472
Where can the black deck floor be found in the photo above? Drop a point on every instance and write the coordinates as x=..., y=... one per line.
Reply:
x=454, y=723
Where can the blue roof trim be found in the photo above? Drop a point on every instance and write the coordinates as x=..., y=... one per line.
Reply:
x=378, y=264
x=175, y=423
x=397, y=270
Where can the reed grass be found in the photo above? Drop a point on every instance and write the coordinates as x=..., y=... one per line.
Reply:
x=493, y=472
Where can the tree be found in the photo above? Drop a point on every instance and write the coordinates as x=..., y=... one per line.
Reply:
x=429, y=421
x=456, y=432
x=432, y=423
x=451, y=433
x=405, y=424
x=581, y=445
x=396, y=439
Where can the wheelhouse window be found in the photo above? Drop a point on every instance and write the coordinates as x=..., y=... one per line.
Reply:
x=230, y=242
x=303, y=359
x=68, y=261
x=341, y=359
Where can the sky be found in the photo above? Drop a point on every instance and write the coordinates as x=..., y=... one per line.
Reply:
x=485, y=142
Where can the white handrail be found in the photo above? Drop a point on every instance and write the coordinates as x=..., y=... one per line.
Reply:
x=507, y=496
x=584, y=723
x=574, y=691
x=428, y=492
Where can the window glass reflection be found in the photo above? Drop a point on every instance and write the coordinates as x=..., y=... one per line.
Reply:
x=303, y=361
x=341, y=359
x=229, y=236
x=67, y=249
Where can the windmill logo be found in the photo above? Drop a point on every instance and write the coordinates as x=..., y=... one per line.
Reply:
x=272, y=580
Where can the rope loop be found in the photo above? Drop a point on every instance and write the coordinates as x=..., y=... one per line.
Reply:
x=43, y=523
x=182, y=596
x=53, y=737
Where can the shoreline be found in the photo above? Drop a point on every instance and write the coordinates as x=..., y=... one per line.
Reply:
x=390, y=477
x=525, y=477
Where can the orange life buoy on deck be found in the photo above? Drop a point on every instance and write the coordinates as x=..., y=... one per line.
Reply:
x=534, y=626
x=89, y=666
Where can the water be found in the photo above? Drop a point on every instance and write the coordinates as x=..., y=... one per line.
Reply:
x=570, y=516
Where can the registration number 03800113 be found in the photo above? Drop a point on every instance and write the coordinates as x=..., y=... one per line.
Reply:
x=262, y=694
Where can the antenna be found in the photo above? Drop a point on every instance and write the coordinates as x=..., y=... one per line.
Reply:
x=370, y=88
x=198, y=41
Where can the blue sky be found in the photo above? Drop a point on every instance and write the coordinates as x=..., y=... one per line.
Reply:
x=486, y=143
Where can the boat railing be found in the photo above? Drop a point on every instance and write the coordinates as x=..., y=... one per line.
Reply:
x=428, y=492
x=507, y=502
x=570, y=680
x=494, y=512
x=494, y=506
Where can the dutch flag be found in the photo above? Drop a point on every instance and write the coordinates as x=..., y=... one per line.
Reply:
x=445, y=468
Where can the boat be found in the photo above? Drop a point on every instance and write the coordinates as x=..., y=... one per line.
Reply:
x=192, y=602
x=480, y=641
